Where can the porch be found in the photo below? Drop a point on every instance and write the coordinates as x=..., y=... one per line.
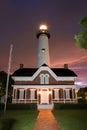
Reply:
x=44, y=97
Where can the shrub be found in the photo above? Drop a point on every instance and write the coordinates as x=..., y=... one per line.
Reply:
x=31, y=106
x=70, y=106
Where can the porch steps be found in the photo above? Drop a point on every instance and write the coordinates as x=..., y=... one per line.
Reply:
x=45, y=106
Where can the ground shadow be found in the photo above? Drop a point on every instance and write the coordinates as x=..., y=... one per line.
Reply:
x=7, y=124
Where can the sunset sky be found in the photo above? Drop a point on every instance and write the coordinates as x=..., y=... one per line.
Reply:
x=19, y=23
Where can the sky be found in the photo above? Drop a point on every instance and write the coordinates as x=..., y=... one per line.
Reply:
x=19, y=24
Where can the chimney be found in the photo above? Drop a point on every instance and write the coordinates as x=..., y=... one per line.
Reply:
x=21, y=66
x=66, y=66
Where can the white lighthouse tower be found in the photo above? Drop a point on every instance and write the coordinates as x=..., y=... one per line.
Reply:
x=43, y=49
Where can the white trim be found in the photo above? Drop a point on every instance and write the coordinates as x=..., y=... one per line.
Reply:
x=42, y=68
x=44, y=86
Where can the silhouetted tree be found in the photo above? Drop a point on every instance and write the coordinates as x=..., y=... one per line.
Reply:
x=81, y=37
x=3, y=80
x=81, y=93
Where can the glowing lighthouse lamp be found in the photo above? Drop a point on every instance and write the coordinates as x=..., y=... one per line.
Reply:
x=43, y=27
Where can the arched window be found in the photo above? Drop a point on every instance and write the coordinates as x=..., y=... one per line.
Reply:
x=42, y=79
x=46, y=78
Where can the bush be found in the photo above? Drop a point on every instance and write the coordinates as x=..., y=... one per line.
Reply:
x=70, y=106
x=31, y=106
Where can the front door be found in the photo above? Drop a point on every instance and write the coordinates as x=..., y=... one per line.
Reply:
x=44, y=97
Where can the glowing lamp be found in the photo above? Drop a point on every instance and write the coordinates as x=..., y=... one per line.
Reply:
x=43, y=27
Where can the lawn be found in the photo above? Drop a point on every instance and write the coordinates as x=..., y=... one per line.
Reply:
x=71, y=119
x=24, y=119
x=18, y=120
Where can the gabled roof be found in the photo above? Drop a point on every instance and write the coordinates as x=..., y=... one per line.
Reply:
x=58, y=72
x=63, y=72
x=25, y=72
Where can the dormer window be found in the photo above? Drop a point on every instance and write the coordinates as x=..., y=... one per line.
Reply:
x=44, y=79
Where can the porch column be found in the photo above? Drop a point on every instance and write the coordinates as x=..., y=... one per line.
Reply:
x=64, y=95
x=15, y=93
x=58, y=94
x=38, y=99
x=55, y=94
x=32, y=94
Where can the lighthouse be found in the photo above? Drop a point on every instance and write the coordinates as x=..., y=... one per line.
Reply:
x=44, y=85
x=43, y=47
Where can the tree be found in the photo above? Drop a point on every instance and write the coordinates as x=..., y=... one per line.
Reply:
x=3, y=80
x=81, y=95
x=81, y=37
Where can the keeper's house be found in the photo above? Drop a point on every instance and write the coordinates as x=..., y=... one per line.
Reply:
x=44, y=85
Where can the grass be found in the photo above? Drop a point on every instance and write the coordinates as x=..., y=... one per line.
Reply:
x=24, y=119
x=18, y=120
x=71, y=119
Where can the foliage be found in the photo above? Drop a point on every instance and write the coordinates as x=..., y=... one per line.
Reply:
x=59, y=106
x=31, y=106
x=83, y=22
x=81, y=93
x=71, y=119
x=3, y=77
x=81, y=37
x=3, y=80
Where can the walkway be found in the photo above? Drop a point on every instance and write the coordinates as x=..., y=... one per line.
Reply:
x=46, y=121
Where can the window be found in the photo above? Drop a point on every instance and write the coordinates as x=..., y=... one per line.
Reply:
x=43, y=50
x=24, y=95
x=44, y=79
x=18, y=94
x=71, y=96
x=35, y=94
x=53, y=94
x=28, y=94
x=60, y=93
